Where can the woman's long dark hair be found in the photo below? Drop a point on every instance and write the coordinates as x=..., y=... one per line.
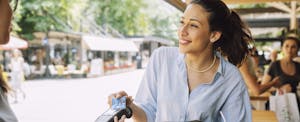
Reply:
x=236, y=36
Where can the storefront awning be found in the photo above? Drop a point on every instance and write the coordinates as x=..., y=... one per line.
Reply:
x=109, y=44
x=14, y=43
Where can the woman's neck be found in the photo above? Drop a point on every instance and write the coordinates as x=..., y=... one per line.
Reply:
x=287, y=60
x=199, y=61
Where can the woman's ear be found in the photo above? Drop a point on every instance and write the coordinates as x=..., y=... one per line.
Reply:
x=214, y=36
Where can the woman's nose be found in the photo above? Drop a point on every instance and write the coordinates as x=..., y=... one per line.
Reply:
x=183, y=30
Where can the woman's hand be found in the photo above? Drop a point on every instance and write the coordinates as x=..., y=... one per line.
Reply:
x=285, y=89
x=121, y=120
x=120, y=94
x=277, y=82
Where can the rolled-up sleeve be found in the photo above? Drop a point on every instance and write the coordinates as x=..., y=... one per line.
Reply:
x=146, y=97
x=237, y=107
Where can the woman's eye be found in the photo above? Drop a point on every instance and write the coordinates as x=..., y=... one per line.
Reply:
x=193, y=25
x=181, y=22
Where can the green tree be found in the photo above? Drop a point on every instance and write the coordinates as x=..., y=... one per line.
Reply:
x=45, y=15
x=126, y=16
x=129, y=17
x=165, y=27
x=164, y=20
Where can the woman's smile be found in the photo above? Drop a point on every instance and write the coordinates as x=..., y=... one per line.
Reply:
x=184, y=42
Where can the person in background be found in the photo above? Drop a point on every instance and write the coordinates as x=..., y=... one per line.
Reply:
x=273, y=56
x=248, y=70
x=6, y=113
x=17, y=73
x=286, y=69
x=194, y=82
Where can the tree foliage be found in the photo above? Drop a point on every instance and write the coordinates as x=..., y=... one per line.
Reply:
x=43, y=15
x=129, y=17
x=126, y=16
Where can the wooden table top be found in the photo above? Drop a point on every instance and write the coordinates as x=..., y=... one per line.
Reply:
x=263, y=116
x=263, y=97
x=259, y=98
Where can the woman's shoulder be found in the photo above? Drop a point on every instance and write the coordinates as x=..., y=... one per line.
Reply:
x=226, y=65
x=228, y=69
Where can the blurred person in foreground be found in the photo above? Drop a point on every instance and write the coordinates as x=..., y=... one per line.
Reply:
x=286, y=69
x=5, y=21
x=6, y=113
x=194, y=82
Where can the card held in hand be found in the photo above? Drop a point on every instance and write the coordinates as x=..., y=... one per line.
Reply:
x=118, y=109
x=118, y=104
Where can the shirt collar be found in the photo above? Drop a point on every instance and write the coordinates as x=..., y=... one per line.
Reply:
x=221, y=68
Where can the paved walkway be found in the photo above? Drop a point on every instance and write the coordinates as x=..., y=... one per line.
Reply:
x=72, y=100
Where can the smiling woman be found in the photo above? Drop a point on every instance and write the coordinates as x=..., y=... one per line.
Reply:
x=194, y=82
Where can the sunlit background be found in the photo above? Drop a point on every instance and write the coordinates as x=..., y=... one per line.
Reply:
x=77, y=52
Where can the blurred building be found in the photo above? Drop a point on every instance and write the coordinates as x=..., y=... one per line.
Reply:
x=61, y=54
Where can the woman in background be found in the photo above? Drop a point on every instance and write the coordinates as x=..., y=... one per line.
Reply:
x=248, y=70
x=17, y=74
x=286, y=69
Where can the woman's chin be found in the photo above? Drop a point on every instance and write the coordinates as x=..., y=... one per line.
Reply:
x=182, y=49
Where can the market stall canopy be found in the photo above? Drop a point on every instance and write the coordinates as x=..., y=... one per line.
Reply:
x=14, y=43
x=96, y=43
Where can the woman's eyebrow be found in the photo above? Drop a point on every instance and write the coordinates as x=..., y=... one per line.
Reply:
x=197, y=20
x=193, y=19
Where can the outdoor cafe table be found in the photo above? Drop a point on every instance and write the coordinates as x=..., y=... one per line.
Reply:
x=263, y=116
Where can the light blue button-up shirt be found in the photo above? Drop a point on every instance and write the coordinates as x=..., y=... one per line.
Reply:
x=164, y=94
